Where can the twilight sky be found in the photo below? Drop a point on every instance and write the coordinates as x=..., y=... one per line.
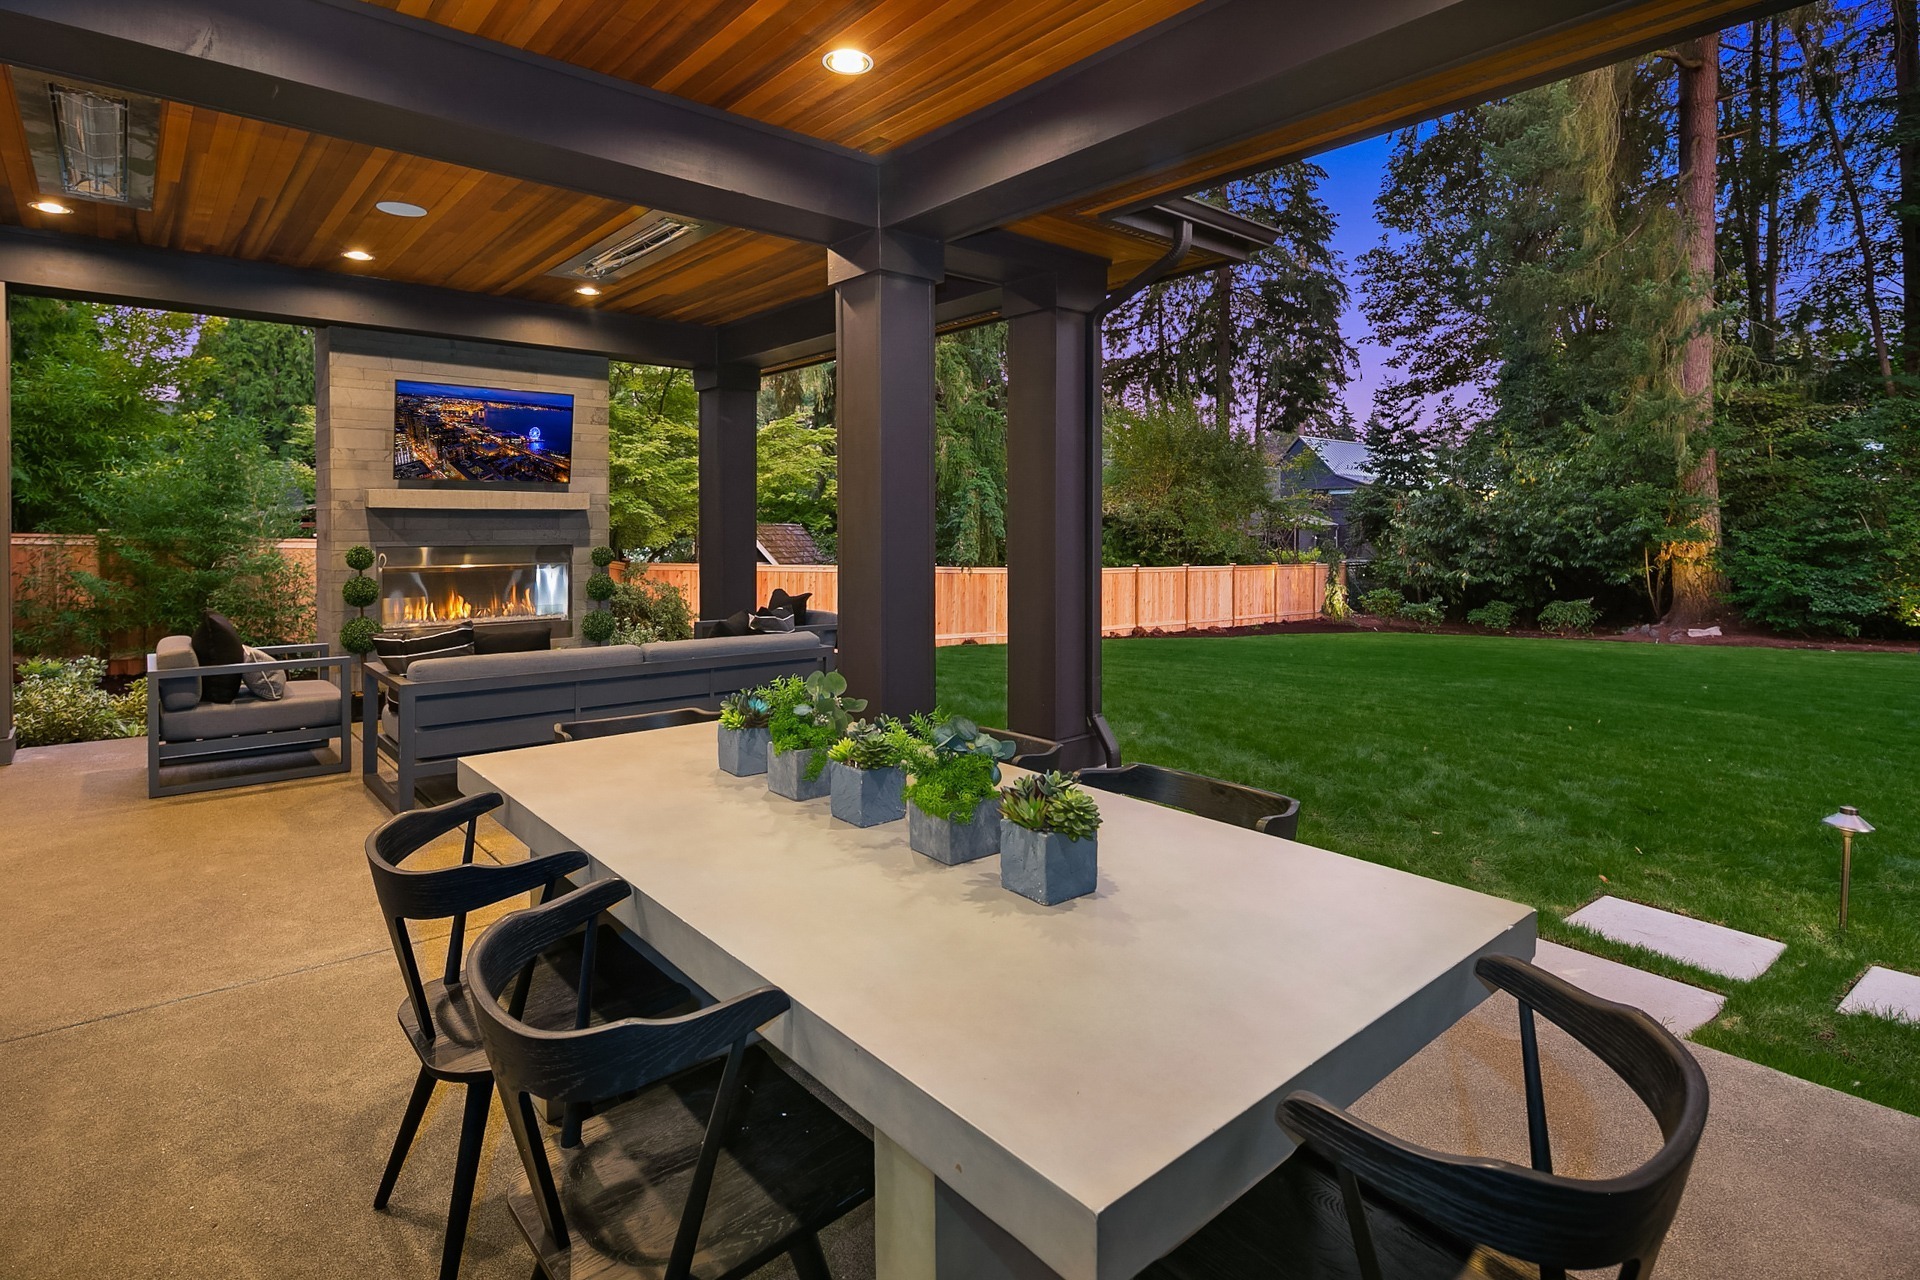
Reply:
x=1353, y=179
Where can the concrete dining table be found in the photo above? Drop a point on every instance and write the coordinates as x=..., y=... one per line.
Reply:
x=1054, y=1091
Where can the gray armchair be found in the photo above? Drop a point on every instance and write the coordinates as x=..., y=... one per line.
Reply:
x=183, y=729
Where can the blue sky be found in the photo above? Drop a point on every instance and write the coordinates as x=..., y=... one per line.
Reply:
x=1353, y=179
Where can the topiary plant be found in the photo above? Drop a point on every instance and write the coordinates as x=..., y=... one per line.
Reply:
x=597, y=626
x=359, y=591
x=602, y=557
x=356, y=636
x=359, y=559
x=600, y=587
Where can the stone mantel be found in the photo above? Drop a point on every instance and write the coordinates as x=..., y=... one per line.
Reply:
x=475, y=500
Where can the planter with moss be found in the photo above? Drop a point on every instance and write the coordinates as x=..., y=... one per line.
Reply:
x=953, y=801
x=1049, y=851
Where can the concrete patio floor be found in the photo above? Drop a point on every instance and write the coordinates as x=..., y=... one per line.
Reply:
x=198, y=1031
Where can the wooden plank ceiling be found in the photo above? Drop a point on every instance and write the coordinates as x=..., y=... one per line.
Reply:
x=934, y=60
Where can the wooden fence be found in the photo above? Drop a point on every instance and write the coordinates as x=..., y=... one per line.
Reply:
x=970, y=605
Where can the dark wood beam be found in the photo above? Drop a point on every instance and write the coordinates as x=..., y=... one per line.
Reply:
x=79, y=267
x=1224, y=74
x=729, y=396
x=365, y=74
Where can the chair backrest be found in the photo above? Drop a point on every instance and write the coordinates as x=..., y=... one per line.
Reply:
x=1267, y=812
x=446, y=892
x=1531, y=1213
x=572, y=730
x=574, y=1065
x=1037, y=754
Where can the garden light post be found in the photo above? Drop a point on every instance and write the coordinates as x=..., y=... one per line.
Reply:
x=1849, y=821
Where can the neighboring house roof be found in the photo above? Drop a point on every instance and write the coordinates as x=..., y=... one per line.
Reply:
x=787, y=544
x=1347, y=459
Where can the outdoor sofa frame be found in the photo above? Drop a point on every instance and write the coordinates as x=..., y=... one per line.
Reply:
x=163, y=752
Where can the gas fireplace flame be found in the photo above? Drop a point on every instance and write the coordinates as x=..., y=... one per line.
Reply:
x=451, y=606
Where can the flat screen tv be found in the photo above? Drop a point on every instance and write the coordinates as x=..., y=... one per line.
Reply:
x=447, y=434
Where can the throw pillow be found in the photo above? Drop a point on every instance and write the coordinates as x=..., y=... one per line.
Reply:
x=781, y=602
x=268, y=685
x=217, y=644
x=512, y=637
x=739, y=624
x=762, y=623
x=400, y=651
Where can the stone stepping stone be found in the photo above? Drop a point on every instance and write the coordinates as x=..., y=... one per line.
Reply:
x=1713, y=947
x=1886, y=992
x=1679, y=1006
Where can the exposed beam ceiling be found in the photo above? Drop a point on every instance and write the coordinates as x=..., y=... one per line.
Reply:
x=358, y=72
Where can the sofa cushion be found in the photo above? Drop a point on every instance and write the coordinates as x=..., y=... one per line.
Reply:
x=308, y=704
x=400, y=650
x=781, y=602
x=217, y=644
x=721, y=648
x=520, y=636
x=268, y=686
x=176, y=652
x=502, y=666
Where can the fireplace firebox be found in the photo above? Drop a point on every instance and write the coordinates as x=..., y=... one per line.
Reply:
x=428, y=586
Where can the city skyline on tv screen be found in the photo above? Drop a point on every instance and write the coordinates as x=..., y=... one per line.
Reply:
x=481, y=435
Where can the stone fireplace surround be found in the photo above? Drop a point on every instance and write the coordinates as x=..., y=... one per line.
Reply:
x=357, y=501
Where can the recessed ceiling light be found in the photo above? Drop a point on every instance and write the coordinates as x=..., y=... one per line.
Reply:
x=49, y=206
x=588, y=290
x=848, y=62
x=401, y=209
x=358, y=255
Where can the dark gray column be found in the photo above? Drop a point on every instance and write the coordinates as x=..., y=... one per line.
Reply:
x=6, y=529
x=1053, y=583
x=883, y=326
x=728, y=492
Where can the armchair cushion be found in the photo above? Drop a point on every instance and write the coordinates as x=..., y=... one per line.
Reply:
x=176, y=652
x=217, y=644
x=268, y=686
x=307, y=704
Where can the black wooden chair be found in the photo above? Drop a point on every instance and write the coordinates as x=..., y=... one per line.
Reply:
x=1037, y=754
x=1413, y=1213
x=718, y=1162
x=437, y=1014
x=573, y=730
x=1267, y=812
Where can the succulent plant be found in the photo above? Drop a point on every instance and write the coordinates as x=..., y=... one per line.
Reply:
x=958, y=735
x=1050, y=803
x=880, y=744
x=826, y=704
x=745, y=709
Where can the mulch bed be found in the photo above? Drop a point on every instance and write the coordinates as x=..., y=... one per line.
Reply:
x=1733, y=635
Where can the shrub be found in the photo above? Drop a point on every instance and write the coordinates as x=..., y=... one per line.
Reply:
x=645, y=610
x=1336, y=606
x=1383, y=602
x=63, y=702
x=1423, y=613
x=1495, y=616
x=598, y=626
x=1569, y=617
x=359, y=592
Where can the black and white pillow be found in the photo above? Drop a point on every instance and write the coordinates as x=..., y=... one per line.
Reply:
x=770, y=623
x=398, y=652
x=269, y=686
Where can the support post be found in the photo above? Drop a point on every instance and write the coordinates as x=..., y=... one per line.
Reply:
x=728, y=488
x=883, y=327
x=1053, y=579
x=6, y=528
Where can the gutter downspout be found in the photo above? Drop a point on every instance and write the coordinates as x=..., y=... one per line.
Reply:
x=1096, y=459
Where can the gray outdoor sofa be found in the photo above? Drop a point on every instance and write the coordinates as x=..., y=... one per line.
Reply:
x=445, y=708
x=183, y=729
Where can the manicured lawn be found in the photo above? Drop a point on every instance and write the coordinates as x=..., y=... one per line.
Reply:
x=1553, y=772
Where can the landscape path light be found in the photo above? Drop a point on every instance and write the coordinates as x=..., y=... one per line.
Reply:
x=1849, y=821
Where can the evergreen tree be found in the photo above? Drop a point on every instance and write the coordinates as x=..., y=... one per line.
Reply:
x=253, y=370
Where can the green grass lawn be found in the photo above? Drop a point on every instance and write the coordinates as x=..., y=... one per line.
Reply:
x=1552, y=772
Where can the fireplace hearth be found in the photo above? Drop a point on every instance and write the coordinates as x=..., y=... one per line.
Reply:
x=429, y=586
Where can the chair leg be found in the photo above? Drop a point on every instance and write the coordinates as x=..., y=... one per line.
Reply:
x=403, y=1141
x=466, y=1170
x=808, y=1262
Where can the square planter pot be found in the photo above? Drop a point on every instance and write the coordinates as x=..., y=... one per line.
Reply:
x=867, y=797
x=743, y=752
x=787, y=775
x=956, y=842
x=1047, y=868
